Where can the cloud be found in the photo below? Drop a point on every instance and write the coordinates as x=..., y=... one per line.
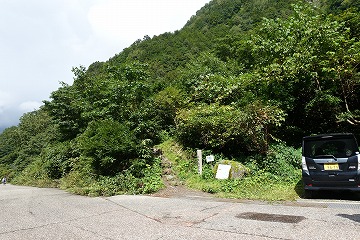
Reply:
x=11, y=110
x=30, y=106
x=119, y=20
x=5, y=99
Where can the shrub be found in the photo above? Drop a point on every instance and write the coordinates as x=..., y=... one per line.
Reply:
x=281, y=161
x=209, y=126
x=35, y=175
x=110, y=144
x=58, y=159
x=6, y=171
x=228, y=129
x=83, y=181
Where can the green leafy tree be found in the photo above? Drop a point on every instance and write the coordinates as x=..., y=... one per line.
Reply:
x=301, y=58
x=9, y=143
x=35, y=133
x=21, y=145
x=110, y=144
x=65, y=112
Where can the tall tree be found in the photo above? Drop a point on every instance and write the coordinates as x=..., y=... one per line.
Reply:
x=307, y=62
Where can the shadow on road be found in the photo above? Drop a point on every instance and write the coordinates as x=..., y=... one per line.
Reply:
x=327, y=195
x=337, y=195
x=353, y=217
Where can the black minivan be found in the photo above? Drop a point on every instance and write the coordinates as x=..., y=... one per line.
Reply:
x=330, y=162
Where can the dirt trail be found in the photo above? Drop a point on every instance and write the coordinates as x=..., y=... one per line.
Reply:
x=174, y=187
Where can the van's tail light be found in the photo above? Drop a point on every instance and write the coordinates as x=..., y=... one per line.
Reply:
x=305, y=168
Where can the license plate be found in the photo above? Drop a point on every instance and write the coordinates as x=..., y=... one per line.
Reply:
x=331, y=166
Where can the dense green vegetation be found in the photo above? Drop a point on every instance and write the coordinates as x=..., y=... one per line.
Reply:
x=272, y=178
x=243, y=79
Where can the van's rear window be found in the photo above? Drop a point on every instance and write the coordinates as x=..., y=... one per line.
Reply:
x=339, y=147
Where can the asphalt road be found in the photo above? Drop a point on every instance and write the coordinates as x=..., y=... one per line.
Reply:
x=34, y=213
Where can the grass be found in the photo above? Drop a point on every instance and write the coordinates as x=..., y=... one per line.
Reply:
x=258, y=185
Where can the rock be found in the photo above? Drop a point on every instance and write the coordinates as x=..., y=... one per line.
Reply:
x=237, y=170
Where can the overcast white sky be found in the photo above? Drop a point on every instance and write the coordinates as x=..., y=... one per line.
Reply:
x=41, y=40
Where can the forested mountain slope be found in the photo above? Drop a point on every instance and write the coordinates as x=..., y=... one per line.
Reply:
x=239, y=77
x=202, y=32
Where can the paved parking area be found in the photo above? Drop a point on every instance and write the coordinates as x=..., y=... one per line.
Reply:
x=34, y=213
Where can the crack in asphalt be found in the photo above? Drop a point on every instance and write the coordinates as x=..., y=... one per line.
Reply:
x=94, y=233
x=134, y=211
x=209, y=208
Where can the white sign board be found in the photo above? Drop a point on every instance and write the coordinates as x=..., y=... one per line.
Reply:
x=223, y=171
x=210, y=158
